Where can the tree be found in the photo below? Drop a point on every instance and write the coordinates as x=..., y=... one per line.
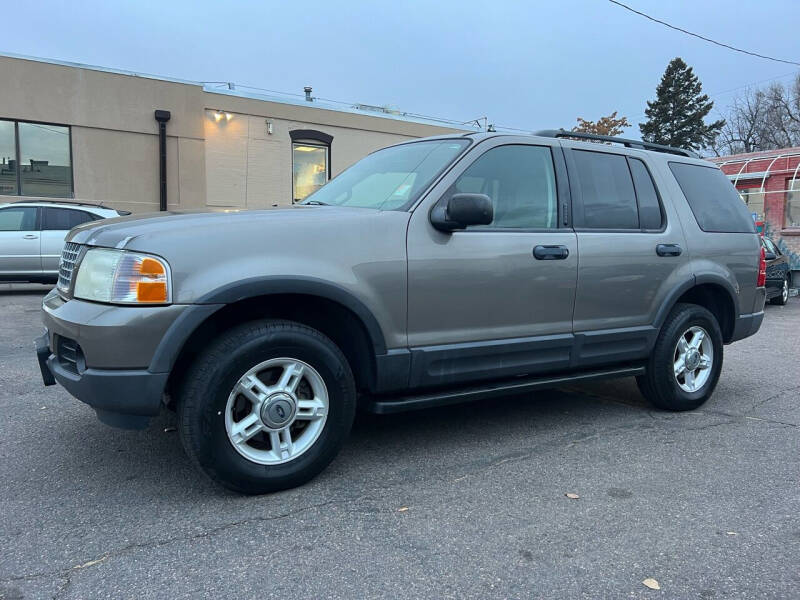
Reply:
x=745, y=125
x=762, y=119
x=783, y=115
x=610, y=125
x=676, y=116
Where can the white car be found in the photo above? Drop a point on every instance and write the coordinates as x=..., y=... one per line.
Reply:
x=32, y=236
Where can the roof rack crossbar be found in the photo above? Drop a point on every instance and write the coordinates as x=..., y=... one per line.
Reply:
x=63, y=201
x=641, y=145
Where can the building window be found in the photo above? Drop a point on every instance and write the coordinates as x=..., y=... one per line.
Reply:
x=754, y=200
x=8, y=156
x=793, y=203
x=309, y=169
x=35, y=160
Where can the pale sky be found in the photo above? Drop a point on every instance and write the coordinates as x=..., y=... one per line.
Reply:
x=530, y=65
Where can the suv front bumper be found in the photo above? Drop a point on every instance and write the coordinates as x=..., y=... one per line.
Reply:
x=116, y=359
x=124, y=398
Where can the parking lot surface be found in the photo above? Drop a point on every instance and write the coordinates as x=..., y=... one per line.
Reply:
x=460, y=502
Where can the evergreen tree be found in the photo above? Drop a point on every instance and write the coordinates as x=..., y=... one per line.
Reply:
x=675, y=117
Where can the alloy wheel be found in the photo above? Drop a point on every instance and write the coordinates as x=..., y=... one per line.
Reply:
x=276, y=411
x=693, y=358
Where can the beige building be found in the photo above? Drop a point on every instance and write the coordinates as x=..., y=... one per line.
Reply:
x=75, y=131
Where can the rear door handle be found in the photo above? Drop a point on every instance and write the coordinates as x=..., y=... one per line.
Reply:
x=550, y=252
x=668, y=250
x=30, y=236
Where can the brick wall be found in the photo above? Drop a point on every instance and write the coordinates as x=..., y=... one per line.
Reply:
x=780, y=172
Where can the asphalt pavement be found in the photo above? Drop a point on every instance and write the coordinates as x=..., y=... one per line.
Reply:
x=460, y=502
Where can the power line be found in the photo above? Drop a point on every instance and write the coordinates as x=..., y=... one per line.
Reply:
x=734, y=48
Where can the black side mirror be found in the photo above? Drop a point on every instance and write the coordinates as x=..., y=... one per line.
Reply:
x=462, y=210
x=769, y=255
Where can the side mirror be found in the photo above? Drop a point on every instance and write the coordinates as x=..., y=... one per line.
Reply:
x=769, y=255
x=462, y=210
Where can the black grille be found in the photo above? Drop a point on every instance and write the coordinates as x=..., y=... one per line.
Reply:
x=70, y=355
x=69, y=255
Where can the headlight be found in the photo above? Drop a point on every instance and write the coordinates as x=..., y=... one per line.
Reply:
x=121, y=277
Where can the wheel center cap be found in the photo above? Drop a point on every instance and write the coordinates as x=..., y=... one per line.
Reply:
x=692, y=360
x=278, y=411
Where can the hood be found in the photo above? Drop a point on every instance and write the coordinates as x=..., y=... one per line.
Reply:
x=137, y=231
x=210, y=251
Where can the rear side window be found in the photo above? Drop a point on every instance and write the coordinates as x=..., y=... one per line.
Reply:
x=713, y=199
x=64, y=218
x=649, y=208
x=609, y=201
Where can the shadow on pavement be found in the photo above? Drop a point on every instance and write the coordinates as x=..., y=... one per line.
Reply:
x=151, y=463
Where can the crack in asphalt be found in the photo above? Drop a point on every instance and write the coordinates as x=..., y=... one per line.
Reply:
x=775, y=396
x=67, y=572
x=743, y=418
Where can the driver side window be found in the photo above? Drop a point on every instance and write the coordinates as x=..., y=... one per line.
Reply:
x=520, y=181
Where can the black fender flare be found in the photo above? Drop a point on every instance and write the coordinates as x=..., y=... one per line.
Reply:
x=696, y=280
x=310, y=286
x=184, y=326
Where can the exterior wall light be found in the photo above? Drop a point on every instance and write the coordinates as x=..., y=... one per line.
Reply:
x=219, y=115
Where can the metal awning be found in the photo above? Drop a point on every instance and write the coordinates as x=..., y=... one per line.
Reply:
x=748, y=176
x=762, y=175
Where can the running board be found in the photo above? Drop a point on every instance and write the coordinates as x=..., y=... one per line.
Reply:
x=383, y=405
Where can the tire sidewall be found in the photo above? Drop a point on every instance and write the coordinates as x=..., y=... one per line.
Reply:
x=216, y=452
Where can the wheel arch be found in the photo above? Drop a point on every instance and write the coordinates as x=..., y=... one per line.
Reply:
x=713, y=292
x=321, y=305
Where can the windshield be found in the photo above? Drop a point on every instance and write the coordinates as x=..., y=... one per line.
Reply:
x=389, y=179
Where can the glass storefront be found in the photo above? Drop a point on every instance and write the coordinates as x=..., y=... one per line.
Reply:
x=309, y=169
x=35, y=160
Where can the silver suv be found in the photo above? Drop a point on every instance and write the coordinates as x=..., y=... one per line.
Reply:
x=32, y=236
x=431, y=272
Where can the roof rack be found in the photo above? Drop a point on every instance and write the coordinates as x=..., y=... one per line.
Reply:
x=63, y=201
x=563, y=133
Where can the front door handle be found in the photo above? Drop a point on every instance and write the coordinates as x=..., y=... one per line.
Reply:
x=30, y=236
x=668, y=250
x=550, y=252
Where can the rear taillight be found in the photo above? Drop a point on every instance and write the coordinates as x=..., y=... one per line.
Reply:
x=762, y=269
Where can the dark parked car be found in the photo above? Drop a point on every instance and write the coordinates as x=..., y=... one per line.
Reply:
x=779, y=276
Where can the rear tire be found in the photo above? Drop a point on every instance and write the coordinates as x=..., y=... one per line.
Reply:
x=266, y=407
x=685, y=364
x=782, y=298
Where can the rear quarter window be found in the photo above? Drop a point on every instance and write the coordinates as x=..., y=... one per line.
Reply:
x=716, y=206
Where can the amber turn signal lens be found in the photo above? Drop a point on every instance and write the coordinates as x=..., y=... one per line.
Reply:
x=151, y=291
x=151, y=285
x=150, y=266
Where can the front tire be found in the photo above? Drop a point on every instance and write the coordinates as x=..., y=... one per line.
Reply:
x=685, y=364
x=266, y=407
